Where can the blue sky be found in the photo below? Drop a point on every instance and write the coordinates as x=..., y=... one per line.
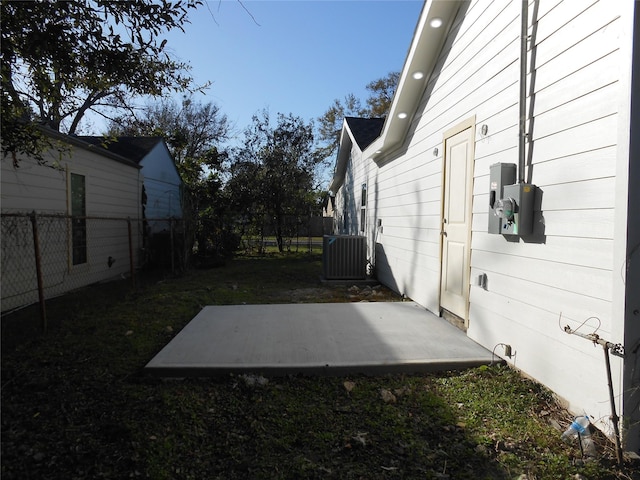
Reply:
x=297, y=56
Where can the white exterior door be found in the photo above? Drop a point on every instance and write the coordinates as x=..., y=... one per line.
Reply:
x=456, y=222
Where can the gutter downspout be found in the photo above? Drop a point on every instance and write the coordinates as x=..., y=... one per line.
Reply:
x=524, y=21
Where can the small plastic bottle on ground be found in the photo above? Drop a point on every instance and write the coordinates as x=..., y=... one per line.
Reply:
x=581, y=428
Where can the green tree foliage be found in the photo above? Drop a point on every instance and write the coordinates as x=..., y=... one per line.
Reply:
x=245, y=200
x=381, y=96
x=193, y=132
x=330, y=123
x=378, y=104
x=272, y=175
x=61, y=59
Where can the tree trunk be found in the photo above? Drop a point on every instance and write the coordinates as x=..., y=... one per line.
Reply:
x=279, y=240
x=279, y=227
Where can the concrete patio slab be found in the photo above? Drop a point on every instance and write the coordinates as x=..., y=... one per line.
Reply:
x=318, y=338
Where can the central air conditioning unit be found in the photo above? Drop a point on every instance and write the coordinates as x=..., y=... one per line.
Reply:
x=344, y=257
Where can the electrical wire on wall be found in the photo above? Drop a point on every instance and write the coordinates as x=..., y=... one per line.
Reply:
x=507, y=351
x=564, y=329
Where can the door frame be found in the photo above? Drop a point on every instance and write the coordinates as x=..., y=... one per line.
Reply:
x=469, y=123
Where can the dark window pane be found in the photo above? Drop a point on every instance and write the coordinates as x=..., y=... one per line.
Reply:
x=78, y=222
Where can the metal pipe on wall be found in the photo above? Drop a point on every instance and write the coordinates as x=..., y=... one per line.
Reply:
x=616, y=349
x=524, y=37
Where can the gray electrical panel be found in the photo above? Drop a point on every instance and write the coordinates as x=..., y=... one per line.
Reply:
x=501, y=174
x=510, y=203
x=519, y=220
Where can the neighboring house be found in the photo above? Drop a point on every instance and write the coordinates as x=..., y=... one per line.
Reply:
x=80, y=181
x=328, y=206
x=357, y=134
x=162, y=183
x=421, y=191
x=323, y=225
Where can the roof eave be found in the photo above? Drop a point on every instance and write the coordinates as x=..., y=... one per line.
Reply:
x=344, y=150
x=422, y=57
x=73, y=140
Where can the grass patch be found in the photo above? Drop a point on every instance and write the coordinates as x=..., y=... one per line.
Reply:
x=76, y=406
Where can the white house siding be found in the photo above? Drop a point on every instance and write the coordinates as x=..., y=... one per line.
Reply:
x=574, y=151
x=349, y=199
x=112, y=190
x=574, y=160
x=162, y=187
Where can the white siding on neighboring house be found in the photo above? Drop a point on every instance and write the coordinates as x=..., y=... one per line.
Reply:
x=32, y=187
x=162, y=184
x=111, y=186
x=577, y=88
x=112, y=190
x=162, y=197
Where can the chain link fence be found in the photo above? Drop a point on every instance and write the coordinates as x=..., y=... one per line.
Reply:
x=44, y=256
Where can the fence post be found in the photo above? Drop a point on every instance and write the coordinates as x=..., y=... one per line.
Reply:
x=36, y=251
x=173, y=268
x=185, y=254
x=131, y=263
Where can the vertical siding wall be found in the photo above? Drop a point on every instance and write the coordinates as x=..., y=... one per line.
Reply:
x=573, y=99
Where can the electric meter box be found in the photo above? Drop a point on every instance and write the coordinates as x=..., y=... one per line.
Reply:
x=500, y=175
x=518, y=221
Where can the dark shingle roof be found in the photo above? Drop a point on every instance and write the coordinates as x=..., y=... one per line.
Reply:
x=365, y=130
x=134, y=148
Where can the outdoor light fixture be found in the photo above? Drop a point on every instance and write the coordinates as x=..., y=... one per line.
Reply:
x=402, y=115
x=435, y=22
x=418, y=75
